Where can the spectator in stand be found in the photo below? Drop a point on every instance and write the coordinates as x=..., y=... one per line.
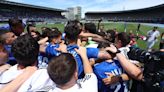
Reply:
x=152, y=37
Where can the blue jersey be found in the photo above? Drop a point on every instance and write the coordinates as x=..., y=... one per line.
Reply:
x=91, y=53
x=44, y=58
x=12, y=60
x=50, y=50
x=109, y=67
x=71, y=49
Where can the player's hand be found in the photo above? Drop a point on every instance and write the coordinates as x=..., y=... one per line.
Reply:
x=81, y=51
x=111, y=79
x=112, y=48
x=62, y=48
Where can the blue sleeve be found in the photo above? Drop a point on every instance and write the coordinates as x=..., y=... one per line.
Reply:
x=92, y=52
x=51, y=51
x=5, y=27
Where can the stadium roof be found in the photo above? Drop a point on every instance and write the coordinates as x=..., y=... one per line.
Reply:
x=30, y=6
x=125, y=11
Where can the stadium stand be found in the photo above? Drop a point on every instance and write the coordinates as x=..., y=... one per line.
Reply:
x=148, y=15
x=10, y=10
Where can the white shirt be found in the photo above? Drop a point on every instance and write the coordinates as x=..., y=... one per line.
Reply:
x=152, y=34
x=87, y=84
x=124, y=51
x=38, y=80
x=9, y=75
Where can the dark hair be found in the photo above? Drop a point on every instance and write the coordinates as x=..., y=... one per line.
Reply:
x=124, y=38
x=14, y=22
x=45, y=32
x=155, y=27
x=111, y=35
x=54, y=28
x=28, y=27
x=62, y=68
x=72, y=32
x=38, y=37
x=16, y=26
x=53, y=34
x=104, y=45
x=91, y=27
x=25, y=49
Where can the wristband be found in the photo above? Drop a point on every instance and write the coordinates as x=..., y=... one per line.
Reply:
x=118, y=51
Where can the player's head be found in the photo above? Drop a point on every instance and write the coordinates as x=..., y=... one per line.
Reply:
x=16, y=26
x=30, y=28
x=111, y=35
x=7, y=37
x=45, y=31
x=72, y=33
x=155, y=28
x=90, y=27
x=122, y=39
x=55, y=36
x=25, y=49
x=103, y=45
x=62, y=69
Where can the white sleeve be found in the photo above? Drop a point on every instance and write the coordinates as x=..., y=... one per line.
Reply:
x=89, y=83
x=38, y=80
x=158, y=34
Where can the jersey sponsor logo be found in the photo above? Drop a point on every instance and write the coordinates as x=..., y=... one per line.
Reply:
x=42, y=62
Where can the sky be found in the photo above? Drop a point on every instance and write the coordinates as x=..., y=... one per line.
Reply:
x=94, y=5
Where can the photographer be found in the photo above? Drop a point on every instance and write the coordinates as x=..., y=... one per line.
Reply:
x=153, y=70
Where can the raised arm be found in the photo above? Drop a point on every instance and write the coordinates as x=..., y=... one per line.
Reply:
x=87, y=67
x=130, y=68
x=15, y=84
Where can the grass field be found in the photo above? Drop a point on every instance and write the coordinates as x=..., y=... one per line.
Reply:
x=120, y=28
